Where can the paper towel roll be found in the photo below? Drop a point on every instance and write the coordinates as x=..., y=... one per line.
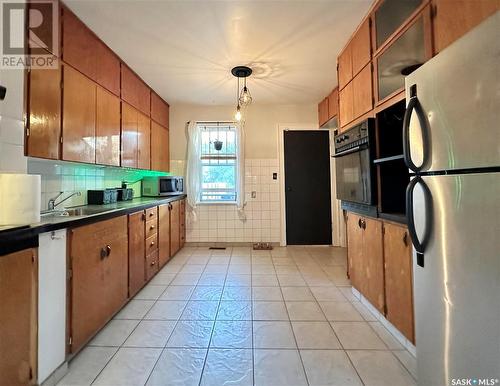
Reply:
x=19, y=199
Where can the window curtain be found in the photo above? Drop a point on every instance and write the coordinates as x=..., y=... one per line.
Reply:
x=193, y=167
x=240, y=197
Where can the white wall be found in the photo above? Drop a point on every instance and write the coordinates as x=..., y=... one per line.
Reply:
x=221, y=222
x=11, y=122
x=260, y=127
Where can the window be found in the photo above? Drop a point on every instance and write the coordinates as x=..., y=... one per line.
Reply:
x=219, y=162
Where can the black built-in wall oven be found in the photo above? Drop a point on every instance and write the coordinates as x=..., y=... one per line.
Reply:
x=355, y=171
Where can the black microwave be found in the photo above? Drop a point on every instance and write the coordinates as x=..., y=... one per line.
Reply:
x=162, y=186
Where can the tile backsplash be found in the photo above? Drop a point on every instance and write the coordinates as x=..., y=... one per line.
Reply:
x=221, y=223
x=68, y=177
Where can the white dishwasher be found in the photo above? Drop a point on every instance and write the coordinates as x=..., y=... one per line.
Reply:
x=51, y=302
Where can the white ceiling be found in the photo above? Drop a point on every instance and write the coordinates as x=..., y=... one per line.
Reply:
x=185, y=49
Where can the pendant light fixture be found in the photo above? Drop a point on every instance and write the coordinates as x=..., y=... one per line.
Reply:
x=245, y=98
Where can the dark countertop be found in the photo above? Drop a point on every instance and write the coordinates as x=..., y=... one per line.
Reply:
x=18, y=237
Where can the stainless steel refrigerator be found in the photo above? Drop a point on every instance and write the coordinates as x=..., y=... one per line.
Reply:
x=451, y=144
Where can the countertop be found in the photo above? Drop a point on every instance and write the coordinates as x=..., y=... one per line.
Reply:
x=18, y=237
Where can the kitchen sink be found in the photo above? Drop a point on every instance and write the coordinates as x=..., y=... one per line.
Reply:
x=74, y=212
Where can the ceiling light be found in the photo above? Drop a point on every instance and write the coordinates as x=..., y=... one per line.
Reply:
x=237, y=116
x=244, y=98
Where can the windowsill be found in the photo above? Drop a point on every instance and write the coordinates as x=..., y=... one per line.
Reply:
x=216, y=203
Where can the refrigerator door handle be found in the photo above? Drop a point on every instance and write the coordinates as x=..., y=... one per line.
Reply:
x=414, y=104
x=418, y=244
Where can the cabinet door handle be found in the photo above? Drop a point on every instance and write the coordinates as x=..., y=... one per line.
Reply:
x=152, y=227
x=104, y=253
x=108, y=250
x=152, y=243
x=360, y=223
x=405, y=239
x=152, y=263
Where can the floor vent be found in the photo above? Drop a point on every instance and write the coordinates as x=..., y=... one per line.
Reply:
x=262, y=246
x=222, y=248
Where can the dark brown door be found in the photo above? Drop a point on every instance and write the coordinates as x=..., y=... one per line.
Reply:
x=163, y=234
x=44, y=113
x=307, y=187
x=129, y=136
x=79, y=117
x=107, y=128
x=18, y=318
x=100, y=279
x=136, y=252
x=143, y=142
x=373, y=262
x=398, y=279
x=174, y=227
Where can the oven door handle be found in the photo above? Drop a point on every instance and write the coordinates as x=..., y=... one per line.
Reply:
x=346, y=152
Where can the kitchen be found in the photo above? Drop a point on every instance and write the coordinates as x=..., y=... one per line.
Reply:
x=178, y=208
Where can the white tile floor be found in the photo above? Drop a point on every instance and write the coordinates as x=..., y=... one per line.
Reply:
x=242, y=317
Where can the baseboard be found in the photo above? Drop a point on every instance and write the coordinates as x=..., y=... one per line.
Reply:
x=58, y=374
x=405, y=342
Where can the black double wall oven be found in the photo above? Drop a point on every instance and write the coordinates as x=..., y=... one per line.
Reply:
x=355, y=171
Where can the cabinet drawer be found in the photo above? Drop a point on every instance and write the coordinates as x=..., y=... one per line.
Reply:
x=151, y=265
x=151, y=213
x=151, y=228
x=151, y=244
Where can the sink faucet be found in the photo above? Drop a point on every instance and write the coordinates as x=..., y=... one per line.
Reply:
x=52, y=202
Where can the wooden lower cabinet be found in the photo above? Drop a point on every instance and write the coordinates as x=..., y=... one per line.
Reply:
x=18, y=318
x=374, y=262
x=182, y=221
x=175, y=239
x=136, y=252
x=398, y=279
x=163, y=234
x=98, y=255
x=151, y=264
x=379, y=257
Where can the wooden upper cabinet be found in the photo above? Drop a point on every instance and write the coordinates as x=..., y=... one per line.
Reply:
x=100, y=276
x=398, y=279
x=79, y=117
x=18, y=318
x=453, y=18
x=135, y=91
x=345, y=67
x=323, y=112
x=143, y=141
x=159, y=110
x=79, y=44
x=362, y=92
x=136, y=252
x=107, y=128
x=108, y=68
x=129, y=136
x=373, y=262
x=160, y=157
x=44, y=119
x=333, y=103
x=346, y=104
x=361, y=47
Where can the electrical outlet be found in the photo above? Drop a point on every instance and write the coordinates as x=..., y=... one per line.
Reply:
x=254, y=194
x=275, y=176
